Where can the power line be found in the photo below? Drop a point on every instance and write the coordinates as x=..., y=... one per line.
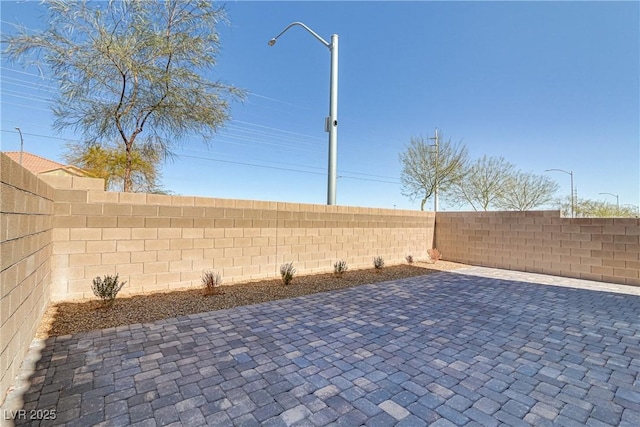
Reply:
x=242, y=163
x=30, y=85
x=243, y=131
x=20, y=95
x=311, y=167
x=280, y=168
x=250, y=164
x=41, y=77
x=228, y=129
x=241, y=134
x=237, y=132
x=277, y=100
x=25, y=106
x=42, y=136
x=294, y=136
x=232, y=138
x=220, y=139
x=286, y=131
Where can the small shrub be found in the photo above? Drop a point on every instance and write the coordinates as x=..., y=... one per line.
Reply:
x=340, y=267
x=211, y=282
x=409, y=259
x=287, y=272
x=378, y=263
x=107, y=288
x=434, y=254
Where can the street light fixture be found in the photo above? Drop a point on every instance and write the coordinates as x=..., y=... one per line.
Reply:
x=634, y=208
x=573, y=201
x=21, y=144
x=331, y=124
x=617, y=199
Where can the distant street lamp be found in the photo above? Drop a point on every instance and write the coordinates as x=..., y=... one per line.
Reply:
x=21, y=144
x=573, y=201
x=617, y=199
x=634, y=208
x=331, y=124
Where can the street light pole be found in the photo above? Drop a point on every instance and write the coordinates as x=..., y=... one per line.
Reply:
x=617, y=199
x=21, y=144
x=331, y=124
x=573, y=201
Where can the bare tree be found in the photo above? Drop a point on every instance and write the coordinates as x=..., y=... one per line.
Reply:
x=425, y=169
x=483, y=183
x=526, y=191
x=131, y=70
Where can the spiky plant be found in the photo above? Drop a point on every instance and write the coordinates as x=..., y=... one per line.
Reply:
x=287, y=272
x=340, y=267
x=378, y=263
x=107, y=288
x=211, y=282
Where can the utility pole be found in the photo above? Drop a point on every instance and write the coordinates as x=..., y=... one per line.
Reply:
x=435, y=190
x=574, y=191
x=21, y=145
x=331, y=122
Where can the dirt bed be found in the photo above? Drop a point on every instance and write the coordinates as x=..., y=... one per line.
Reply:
x=66, y=318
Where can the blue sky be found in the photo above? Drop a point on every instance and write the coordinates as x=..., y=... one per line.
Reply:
x=543, y=84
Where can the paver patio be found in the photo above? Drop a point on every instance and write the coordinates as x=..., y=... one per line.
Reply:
x=472, y=347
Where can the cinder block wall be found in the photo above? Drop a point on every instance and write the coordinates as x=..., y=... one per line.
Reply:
x=603, y=249
x=159, y=242
x=26, y=218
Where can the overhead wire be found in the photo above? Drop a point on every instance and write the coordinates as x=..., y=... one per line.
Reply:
x=243, y=163
x=20, y=95
x=237, y=132
x=246, y=130
x=281, y=168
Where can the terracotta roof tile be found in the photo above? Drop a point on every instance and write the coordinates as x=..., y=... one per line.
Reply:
x=38, y=165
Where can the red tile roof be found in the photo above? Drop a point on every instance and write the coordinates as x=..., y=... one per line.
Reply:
x=38, y=165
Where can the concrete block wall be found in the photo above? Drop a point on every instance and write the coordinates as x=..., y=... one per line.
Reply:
x=26, y=220
x=602, y=249
x=73, y=182
x=159, y=242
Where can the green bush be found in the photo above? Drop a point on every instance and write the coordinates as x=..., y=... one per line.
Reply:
x=378, y=263
x=107, y=288
x=340, y=267
x=287, y=272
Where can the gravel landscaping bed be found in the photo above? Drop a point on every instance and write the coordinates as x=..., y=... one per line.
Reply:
x=66, y=318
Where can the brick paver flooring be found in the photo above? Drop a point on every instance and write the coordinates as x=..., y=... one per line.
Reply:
x=478, y=347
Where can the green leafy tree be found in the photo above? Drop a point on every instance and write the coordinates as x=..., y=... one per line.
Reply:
x=588, y=208
x=526, y=191
x=483, y=183
x=109, y=163
x=425, y=169
x=131, y=70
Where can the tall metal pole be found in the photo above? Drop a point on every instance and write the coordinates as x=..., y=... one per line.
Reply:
x=617, y=199
x=21, y=144
x=331, y=124
x=573, y=197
